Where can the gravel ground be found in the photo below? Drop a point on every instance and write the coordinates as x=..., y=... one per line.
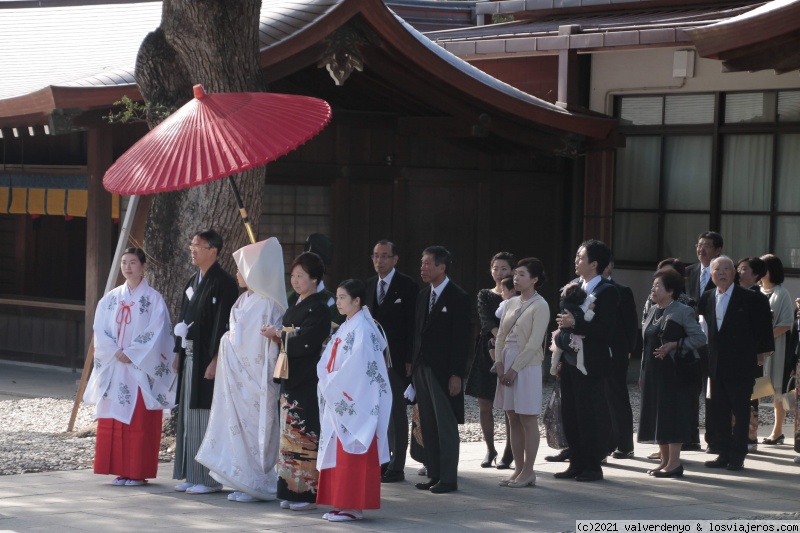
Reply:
x=33, y=437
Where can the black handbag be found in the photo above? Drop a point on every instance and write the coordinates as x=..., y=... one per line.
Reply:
x=671, y=331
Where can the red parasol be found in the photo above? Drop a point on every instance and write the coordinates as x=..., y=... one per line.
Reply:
x=214, y=136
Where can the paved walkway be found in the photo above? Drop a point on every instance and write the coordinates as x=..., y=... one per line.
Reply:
x=81, y=501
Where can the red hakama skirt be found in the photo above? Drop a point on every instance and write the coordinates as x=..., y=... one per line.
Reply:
x=355, y=481
x=129, y=450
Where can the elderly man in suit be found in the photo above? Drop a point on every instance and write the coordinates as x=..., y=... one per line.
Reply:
x=698, y=275
x=441, y=345
x=583, y=405
x=739, y=335
x=392, y=299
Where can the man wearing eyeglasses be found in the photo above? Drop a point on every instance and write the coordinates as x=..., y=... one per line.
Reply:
x=392, y=297
x=207, y=300
x=698, y=276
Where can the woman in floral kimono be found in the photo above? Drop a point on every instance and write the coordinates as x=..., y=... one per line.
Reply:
x=132, y=381
x=241, y=443
x=355, y=406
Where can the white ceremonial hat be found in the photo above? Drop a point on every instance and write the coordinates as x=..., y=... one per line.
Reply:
x=261, y=266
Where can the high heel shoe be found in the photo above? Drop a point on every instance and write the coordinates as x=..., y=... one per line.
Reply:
x=675, y=472
x=491, y=457
x=773, y=442
x=504, y=482
x=519, y=483
x=505, y=462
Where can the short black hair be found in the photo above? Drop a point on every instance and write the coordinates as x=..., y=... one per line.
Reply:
x=355, y=288
x=138, y=252
x=574, y=294
x=508, y=282
x=440, y=255
x=716, y=238
x=508, y=257
x=774, y=268
x=597, y=251
x=756, y=264
x=671, y=280
x=388, y=243
x=213, y=239
x=535, y=268
x=311, y=263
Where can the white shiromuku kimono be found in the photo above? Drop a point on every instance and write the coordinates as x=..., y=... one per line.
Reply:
x=138, y=323
x=355, y=399
x=241, y=445
x=242, y=441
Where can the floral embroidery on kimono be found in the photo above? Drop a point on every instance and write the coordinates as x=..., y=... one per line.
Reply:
x=145, y=338
x=353, y=391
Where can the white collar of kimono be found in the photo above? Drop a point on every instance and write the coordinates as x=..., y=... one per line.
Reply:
x=261, y=266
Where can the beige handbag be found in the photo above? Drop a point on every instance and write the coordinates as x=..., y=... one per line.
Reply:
x=762, y=388
x=282, y=364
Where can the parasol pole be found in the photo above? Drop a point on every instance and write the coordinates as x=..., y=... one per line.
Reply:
x=122, y=242
x=242, y=210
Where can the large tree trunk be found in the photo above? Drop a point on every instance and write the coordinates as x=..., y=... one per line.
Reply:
x=213, y=43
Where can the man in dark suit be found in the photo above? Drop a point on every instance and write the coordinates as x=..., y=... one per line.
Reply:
x=623, y=343
x=698, y=280
x=739, y=335
x=698, y=275
x=392, y=298
x=439, y=355
x=583, y=406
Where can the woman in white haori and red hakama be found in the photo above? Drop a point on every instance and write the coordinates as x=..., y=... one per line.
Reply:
x=355, y=406
x=242, y=441
x=132, y=381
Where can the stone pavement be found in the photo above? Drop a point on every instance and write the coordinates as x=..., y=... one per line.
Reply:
x=80, y=501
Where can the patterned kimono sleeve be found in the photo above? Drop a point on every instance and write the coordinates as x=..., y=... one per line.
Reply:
x=354, y=392
x=153, y=326
x=105, y=331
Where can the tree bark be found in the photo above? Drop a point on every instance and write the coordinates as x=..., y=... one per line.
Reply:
x=214, y=43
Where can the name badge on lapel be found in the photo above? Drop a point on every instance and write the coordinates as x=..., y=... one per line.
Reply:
x=444, y=309
x=213, y=300
x=189, y=293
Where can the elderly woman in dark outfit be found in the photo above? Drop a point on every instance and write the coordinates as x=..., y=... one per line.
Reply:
x=300, y=425
x=669, y=381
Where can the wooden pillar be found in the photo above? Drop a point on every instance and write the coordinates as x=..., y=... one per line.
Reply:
x=98, y=220
x=568, y=71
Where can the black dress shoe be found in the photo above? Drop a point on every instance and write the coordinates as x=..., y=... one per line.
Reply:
x=691, y=447
x=773, y=442
x=622, y=455
x=427, y=485
x=562, y=456
x=442, y=487
x=508, y=458
x=567, y=474
x=675, y=472
x=719, y=462
x=591, y=475
x=735, y=466
x=393, y=476
x=713, y=450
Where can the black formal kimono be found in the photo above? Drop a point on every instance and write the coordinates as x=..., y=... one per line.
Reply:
x=208, y=312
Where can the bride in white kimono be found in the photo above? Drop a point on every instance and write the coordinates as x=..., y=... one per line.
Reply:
x=242, y=442
x=132, y=379
x=355, y=403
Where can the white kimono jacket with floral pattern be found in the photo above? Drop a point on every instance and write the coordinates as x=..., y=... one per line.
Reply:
x=355, y=399
x=139, y=324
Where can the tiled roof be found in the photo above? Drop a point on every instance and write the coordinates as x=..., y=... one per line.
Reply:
x=96, y=45
x=595, y=30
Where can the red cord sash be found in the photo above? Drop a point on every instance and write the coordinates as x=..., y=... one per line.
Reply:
x=332, y=360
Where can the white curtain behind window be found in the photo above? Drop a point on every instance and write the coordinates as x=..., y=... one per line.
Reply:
x=687, y=172
x=789, y=172
x=746, y=173
x=637, y=170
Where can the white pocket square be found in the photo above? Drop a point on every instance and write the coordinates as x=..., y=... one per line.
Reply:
x=398, y=301
x=444, y=309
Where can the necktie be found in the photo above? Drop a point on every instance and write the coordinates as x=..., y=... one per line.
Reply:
x=433, y=300
x=382, y=292
x=720, y=310
x=703, y=278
